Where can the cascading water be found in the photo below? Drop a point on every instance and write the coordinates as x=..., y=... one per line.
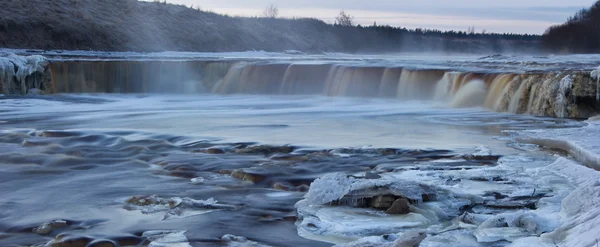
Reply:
x=541, y=93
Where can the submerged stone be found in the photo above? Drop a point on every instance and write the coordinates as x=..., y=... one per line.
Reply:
x=400, y=206
x=265, y=149
x=48, y=227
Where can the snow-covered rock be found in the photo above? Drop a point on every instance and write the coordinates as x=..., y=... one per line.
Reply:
x=21, y=74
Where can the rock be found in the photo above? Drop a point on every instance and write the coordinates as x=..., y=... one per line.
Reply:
x=67, y=241
x=382, y=202
x=214, y=151
x=505, y=204
x=265, y=149
x=410, y=239
x=372, y=175
x=243, y=175
x=48, y=227
x=400, y=206
x=281, y=186
x=34, y=91
x=102, y=243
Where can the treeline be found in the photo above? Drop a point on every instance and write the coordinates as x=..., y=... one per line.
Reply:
x=580, y=34
x=130, y=25
x=454, y=34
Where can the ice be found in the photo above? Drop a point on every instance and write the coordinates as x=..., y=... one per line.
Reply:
x=564, y=87
x=238, y=241
x=408, y=239
x=335, y=186
x=329, y=188
x=19, y=68
x=173, y=208
x=582, y=143
x=166, y=238
x=511, y=226
x=580, y=209
x=596, y=75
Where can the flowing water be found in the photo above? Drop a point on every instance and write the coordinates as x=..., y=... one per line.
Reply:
x=116, y=166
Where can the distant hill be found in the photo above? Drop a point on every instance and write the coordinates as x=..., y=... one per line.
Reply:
x=580, y=34
x=129, y=25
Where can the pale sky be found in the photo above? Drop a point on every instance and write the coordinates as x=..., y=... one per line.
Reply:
x=517, y=16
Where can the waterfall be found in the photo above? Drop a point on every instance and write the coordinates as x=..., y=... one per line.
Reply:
x=540, y=93
x=471, y=94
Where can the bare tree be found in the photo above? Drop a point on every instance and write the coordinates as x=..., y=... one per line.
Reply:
x=344, y=19
x=271, y=11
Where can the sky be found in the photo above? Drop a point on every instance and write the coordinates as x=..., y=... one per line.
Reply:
x=513, y=16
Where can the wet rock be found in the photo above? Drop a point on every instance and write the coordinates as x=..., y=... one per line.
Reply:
x=265, y=149
x=496, y=195
x=281, y=186
x=303, y=188
x=372, y=175
x=506, y=204
x=289, y=157
x=128, y=240
x=382, y=202
x=183, y=174
x=488, y=179
x=246, y=176
x=400, y=206
x=48, y=227
x=173, y=207
x=102, y=243
x=215, y=151
x=69, y=241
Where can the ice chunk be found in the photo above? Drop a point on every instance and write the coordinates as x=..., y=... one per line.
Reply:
x=174, y=207
x=166, y=238
x=238, y=241
x=408, y=239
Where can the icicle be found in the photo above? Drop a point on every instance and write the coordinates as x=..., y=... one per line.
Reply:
x=596, y=74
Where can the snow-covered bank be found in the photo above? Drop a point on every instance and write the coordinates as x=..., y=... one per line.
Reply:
x=580, y=214
x=582, y=143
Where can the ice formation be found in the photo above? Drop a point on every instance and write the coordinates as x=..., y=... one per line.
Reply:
x=582, y=143
x=166, y=238
x=327, y=212
x=174, y=207
x=408, y=239
x=239, y=241
x=562, y=102
x=16, y=71
x=596, y=75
